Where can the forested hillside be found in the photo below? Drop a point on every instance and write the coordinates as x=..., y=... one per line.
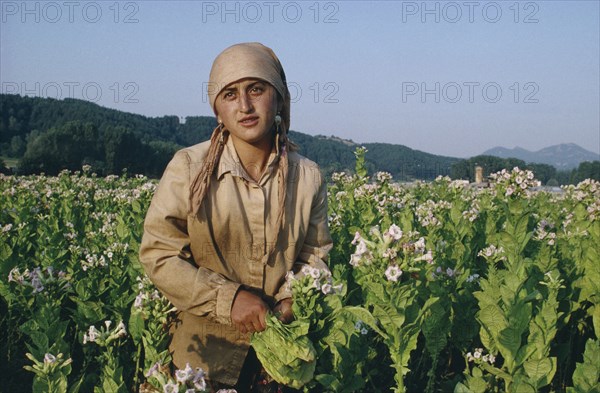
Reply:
x=49, y=135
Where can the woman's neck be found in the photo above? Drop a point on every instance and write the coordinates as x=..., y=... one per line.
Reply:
x=254, y=158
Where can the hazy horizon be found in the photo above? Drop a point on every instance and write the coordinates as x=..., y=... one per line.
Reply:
x=447, y=78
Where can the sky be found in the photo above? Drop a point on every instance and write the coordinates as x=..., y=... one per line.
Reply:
x=452, y=78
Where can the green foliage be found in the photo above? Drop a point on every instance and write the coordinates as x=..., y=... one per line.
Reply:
x=546, y=174
x=68, y=267
x=286, y=352
x=3, y=168
x=586, y=378
x=144, y=145
x=465, y=169
x=434, y=287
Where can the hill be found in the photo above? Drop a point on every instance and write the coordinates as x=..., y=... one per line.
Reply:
x=564, y=156
x=49, y=135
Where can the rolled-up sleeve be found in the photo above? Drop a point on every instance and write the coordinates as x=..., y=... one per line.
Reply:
x=317, y=242
x=165, y=250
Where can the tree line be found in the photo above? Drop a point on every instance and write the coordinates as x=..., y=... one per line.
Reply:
x=48, y=135
x=547, y=174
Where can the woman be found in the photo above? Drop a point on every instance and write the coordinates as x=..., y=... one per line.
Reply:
x=231, y=216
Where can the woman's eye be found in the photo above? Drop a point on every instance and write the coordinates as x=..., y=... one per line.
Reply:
x=228, y=96
x=257, y=90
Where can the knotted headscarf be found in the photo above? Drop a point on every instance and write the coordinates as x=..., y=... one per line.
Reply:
x=241, y=61
x=249, y=60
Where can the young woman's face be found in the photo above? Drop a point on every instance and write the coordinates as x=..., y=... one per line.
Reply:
x=247, y=108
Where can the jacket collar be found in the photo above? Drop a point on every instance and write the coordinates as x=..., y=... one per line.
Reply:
x=230, y=163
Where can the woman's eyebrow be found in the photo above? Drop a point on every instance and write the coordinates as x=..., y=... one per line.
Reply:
x=230, y=89
x=255, y=83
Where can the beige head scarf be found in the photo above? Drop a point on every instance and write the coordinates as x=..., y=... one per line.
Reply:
x=248, y=60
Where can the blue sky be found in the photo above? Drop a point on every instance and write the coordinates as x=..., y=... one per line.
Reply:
x=449, y=78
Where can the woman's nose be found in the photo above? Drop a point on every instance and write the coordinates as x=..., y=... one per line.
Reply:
x=245, y=103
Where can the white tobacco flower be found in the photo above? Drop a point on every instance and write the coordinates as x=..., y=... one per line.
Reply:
x=518, y=179
x=383, y=176
x=170, y=388
x=153, y=370
x=139, y=301
x=198, y=379
x=393, y=273
x=315, y=273
x=91, y=335
x=394, y=232
x=390, y=253
x=361, y=248
x=184, y=375
x=120, y=330
x=49, y=358
x=420, y=245
x=428, y=257
x=355, y=260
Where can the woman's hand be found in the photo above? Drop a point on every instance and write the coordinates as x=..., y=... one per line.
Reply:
x=283, y=310
x=248, y=312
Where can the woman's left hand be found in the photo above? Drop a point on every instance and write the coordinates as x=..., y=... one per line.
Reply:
x=283, y=310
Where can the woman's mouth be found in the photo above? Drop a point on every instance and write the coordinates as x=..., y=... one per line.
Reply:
x=249, y=121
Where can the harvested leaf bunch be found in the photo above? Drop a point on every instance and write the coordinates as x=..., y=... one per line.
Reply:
x=286, y=352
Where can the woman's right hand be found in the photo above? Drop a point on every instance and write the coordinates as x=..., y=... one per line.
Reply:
x=248, y=312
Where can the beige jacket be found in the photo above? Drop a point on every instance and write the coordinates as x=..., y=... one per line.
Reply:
x=200, y=262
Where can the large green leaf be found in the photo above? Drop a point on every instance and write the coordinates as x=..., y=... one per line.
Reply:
x=540, y=371
x=492, y=319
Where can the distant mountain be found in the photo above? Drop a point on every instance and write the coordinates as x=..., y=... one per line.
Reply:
x=565, y=156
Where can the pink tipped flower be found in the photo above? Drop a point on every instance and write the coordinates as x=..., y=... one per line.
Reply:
x=49, y=358
x=394, y=232
x=361, y=248
x=393, y=273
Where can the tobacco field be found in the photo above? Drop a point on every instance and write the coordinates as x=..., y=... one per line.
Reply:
x=434, y=287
